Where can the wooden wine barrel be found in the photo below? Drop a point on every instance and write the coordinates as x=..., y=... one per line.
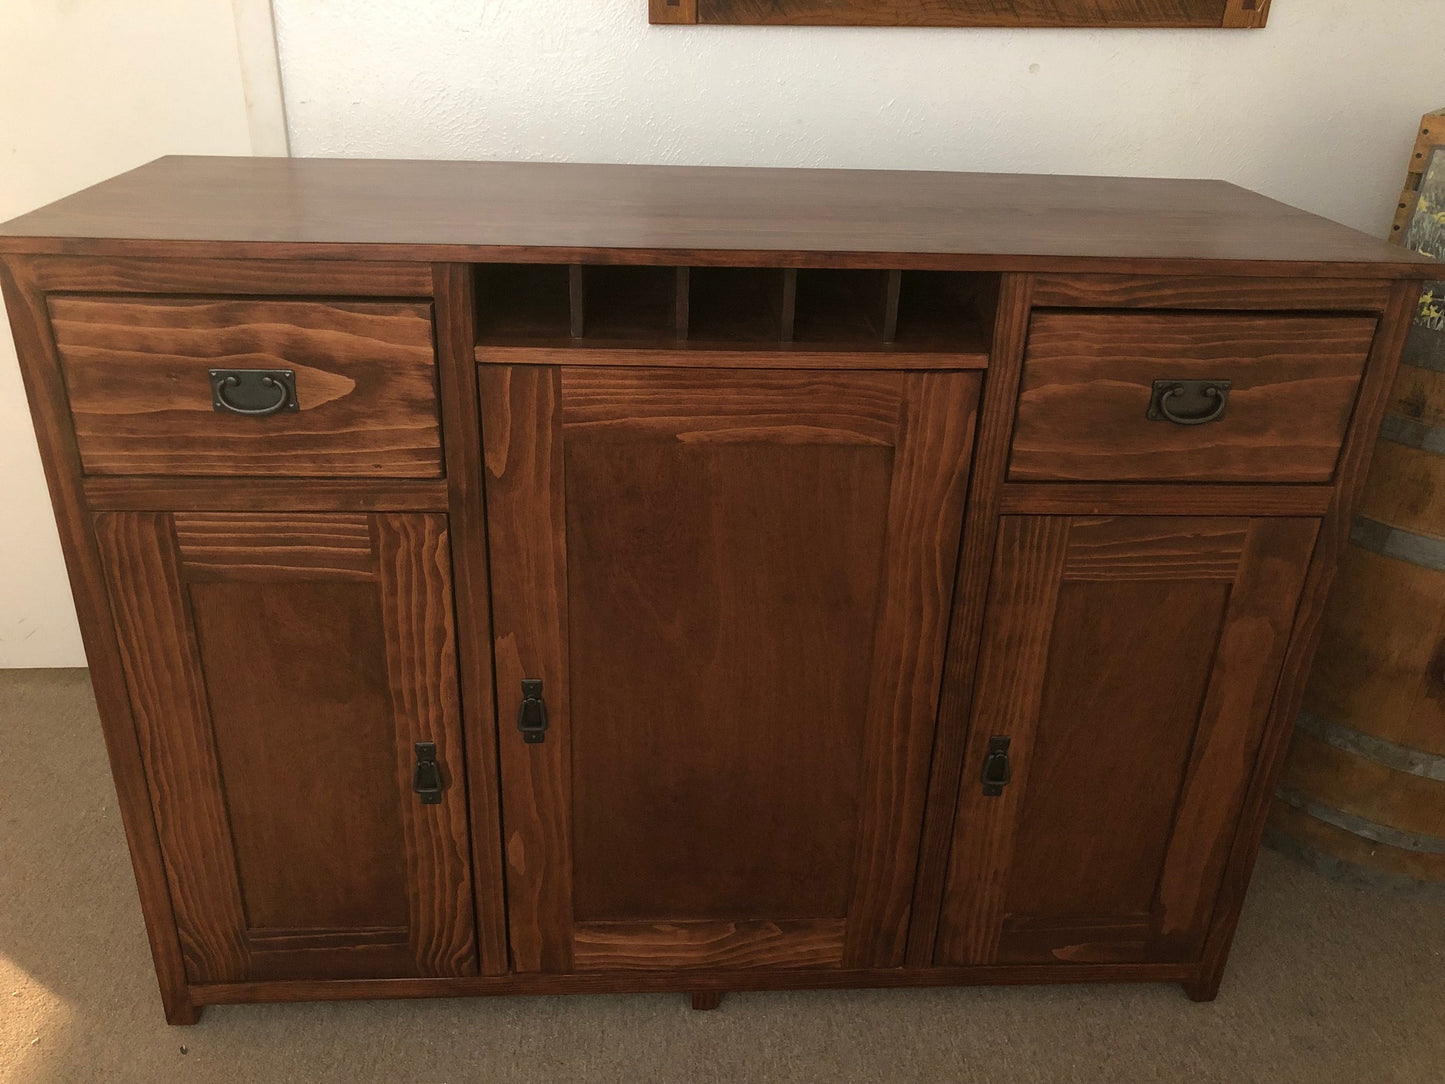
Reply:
x=1363, y=791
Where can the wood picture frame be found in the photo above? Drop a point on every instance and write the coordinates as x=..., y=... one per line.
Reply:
x=1136, y=14
x=1425, y=158
x=1420, y=226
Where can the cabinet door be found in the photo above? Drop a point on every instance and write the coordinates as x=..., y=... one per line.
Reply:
x=282, y=669
x=733, y=586
x=1129, y=663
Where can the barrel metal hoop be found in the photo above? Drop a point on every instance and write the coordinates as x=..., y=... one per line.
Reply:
x=1402, y=545
x=1412, y=434
x=1344, y=870
x=1400, y=758
x=1360, y=826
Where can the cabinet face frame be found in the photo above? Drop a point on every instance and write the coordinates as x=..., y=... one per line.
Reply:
x=532, y=415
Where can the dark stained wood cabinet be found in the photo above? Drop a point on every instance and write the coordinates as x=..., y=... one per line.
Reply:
x=520, y=579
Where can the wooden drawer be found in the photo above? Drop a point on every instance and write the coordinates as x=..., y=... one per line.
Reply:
x=1089, y=381
x=138, y=375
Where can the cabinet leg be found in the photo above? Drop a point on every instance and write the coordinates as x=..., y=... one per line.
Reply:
x=182, y=1011
x=1204, y=988
x=706, y=999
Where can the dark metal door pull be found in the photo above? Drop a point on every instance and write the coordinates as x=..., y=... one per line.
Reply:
x=532, y=715
x=255, y=392
x=426, y=780
x=997, y=770
x=1188, y=402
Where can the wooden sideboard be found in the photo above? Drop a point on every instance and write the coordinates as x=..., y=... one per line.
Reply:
x=508, y=578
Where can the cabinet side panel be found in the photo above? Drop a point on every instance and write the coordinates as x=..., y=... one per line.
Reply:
x=1334, y=533
x=40, y=369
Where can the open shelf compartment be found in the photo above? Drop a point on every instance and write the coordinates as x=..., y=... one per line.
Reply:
x=732, y=309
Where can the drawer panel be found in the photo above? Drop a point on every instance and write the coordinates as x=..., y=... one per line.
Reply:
x=137, y=371
x=1089, y=378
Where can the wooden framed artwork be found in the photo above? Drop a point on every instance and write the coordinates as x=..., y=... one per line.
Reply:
x=1420, y=227
x=1203, y=14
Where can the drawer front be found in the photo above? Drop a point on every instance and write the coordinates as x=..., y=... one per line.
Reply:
x=1089, y=404
x=138, y=372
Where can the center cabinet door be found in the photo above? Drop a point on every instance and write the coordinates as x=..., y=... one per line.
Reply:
x=733, y=586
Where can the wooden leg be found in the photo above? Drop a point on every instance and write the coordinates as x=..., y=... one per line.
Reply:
x=706, y=999
x=181, y=1011
x=1204, y=988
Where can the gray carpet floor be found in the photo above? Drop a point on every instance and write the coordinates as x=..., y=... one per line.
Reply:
x=1329, y=983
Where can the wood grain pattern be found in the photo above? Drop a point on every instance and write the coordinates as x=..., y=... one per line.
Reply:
x=378, y=583
x=688, y=726
x=688, y=980
x=300, y=802
x=413, y=572
x=965, y=353
x=1088, y=379
x=1207, y=292
x=251, y=278
x=60, y=459
x=1245, y=14
x=1431, y=135
x=1315, y=841
x=132, y=494
x=781, y=407
x=140, y=394
x=1121, y=548
x=1023, y=593
x=671, y=215
x=676, y=550
x=930, y=471
x=228, y=546
x=1247, y=658
x=1110, y=747
x=975, y=564
x=1404, y=805
x=1374, y=672
x=455, y=302
x=675, y=12
x=1105, y=498
x=667, y=945
x=1076, y=940
x=261, y=834
x=1333, y=537
x=167, y=695
x=1106, y=835
x=1011, y=13
x=522, y=434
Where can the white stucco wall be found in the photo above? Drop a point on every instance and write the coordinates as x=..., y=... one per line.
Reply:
x=88, y=90
x=1319, y=109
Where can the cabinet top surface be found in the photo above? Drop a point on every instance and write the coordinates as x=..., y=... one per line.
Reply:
x=370, y=209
